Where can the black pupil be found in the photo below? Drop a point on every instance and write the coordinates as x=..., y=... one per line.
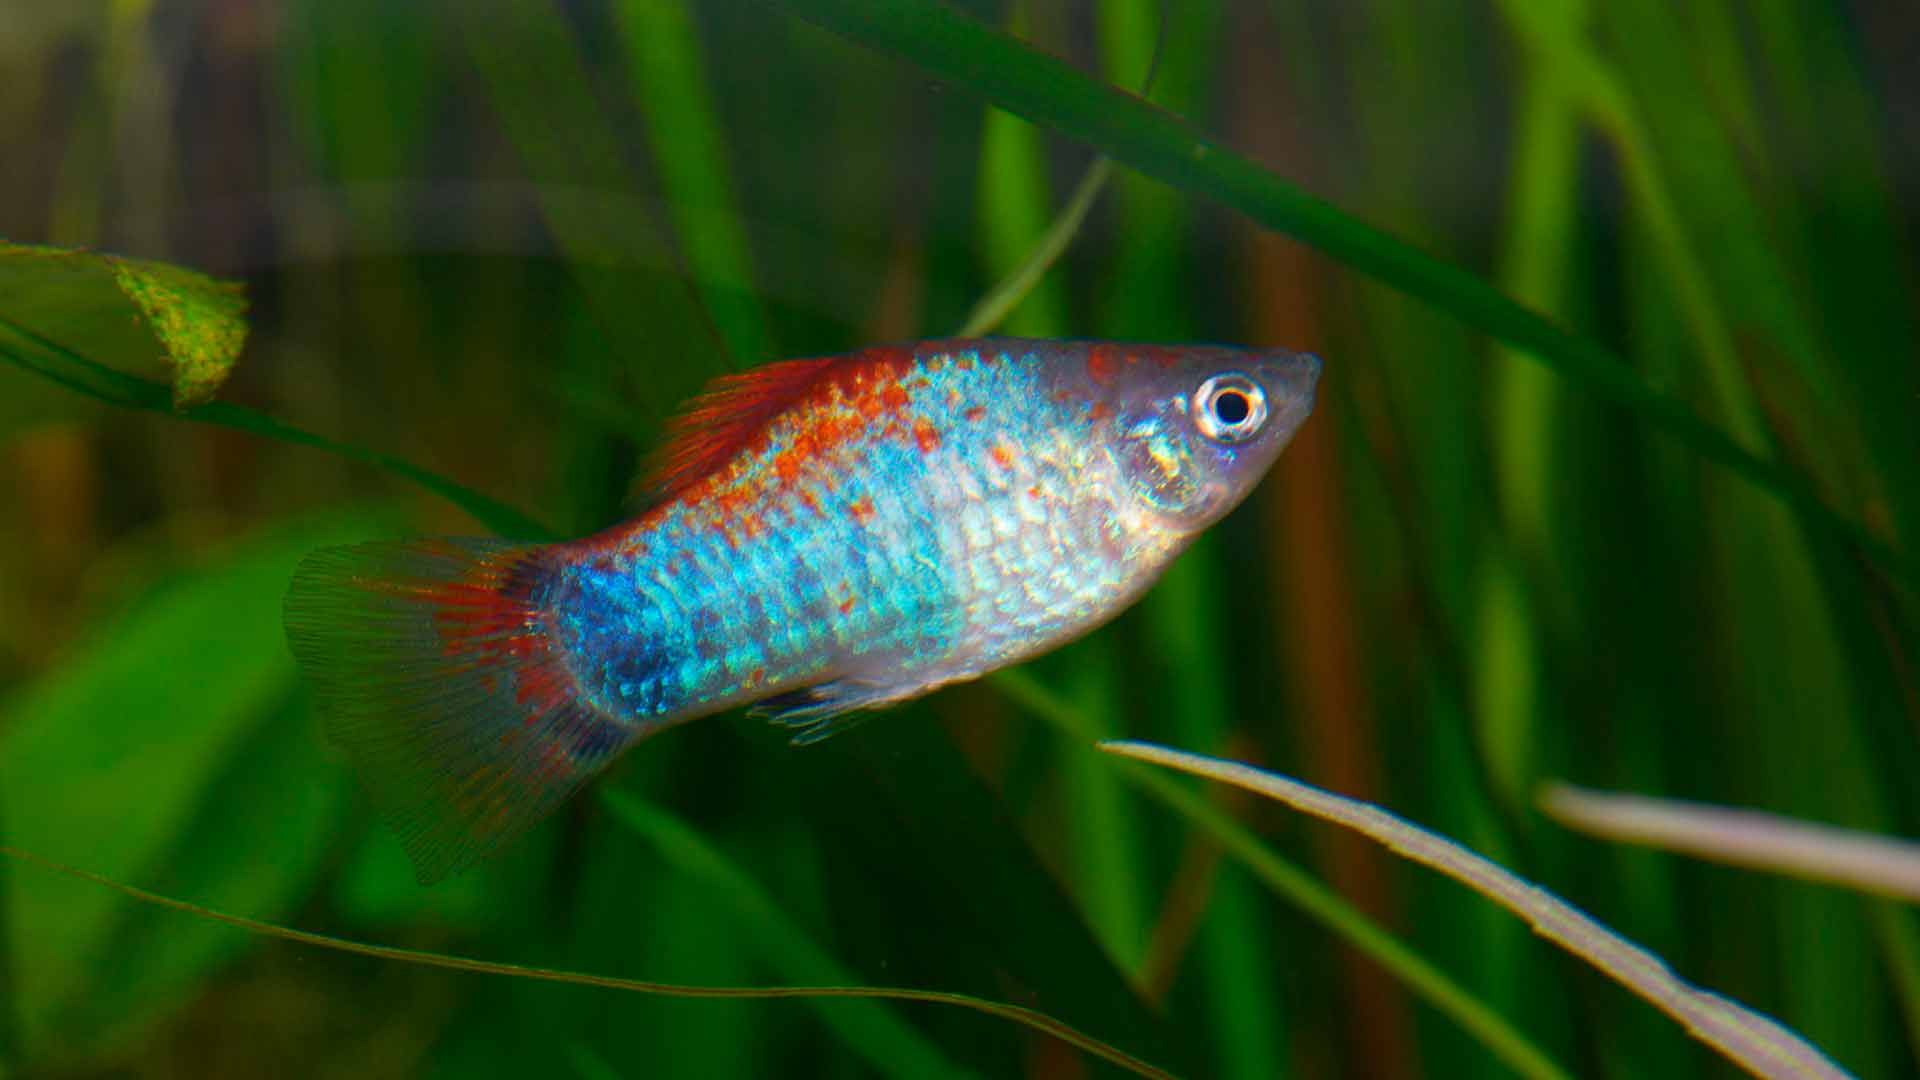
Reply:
x=1231, y=407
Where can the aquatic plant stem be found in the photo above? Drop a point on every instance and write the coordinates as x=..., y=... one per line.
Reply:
x=1030, y=1018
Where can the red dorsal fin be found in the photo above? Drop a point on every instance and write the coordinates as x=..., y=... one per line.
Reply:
x=711, y=428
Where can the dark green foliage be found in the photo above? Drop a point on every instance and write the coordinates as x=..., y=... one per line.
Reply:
x=1615, y=478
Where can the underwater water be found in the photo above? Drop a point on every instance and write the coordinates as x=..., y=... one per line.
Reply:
x=1613, y=480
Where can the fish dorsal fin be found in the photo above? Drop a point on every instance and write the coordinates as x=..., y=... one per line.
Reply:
x=726, y=415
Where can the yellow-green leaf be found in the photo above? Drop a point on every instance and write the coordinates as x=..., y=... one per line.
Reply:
x=145, y=318
x=200, y=321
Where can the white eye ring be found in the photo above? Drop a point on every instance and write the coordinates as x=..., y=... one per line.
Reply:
x=1229, y=408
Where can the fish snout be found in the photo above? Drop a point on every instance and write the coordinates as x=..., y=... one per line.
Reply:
x=1291, y=378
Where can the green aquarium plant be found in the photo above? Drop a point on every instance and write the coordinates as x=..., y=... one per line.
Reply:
x=1603, y=527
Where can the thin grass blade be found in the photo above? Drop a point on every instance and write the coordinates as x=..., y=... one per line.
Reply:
x=999, y=302
x=1882, y=865
x=1748, y=1039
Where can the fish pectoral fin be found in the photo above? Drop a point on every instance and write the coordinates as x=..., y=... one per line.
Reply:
x=820, y=712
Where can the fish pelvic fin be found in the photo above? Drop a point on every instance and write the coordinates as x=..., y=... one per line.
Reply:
x=816, y=713
x=433, y=665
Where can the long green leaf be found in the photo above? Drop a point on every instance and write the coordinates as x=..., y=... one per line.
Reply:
x=539, y=82
x=116, y=754
x=1134, y=132
x=887, y=1043
x=51, y=360
x=904, y=786
x=10, y=1021
x=259, y=838
x=665, y=58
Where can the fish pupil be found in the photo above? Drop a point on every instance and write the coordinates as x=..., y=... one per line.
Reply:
x=1231, y=407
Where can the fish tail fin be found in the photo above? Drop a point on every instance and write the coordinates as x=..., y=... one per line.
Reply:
x=433, y=664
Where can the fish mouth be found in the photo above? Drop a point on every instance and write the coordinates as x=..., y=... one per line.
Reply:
x=1293, y=377
x=1293, y=385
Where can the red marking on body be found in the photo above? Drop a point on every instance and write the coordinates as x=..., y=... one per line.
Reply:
x=1099, y=410
x=622, y=541
x=846, y=606
x=786, y=464
x=836, y=429
x=733, y=413
x=1034, y=492
x=1102, y=364
x=729, y=414
x=776, y=433
x=754, y=678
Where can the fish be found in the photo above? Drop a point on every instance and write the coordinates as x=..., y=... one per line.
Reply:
x=825, y=537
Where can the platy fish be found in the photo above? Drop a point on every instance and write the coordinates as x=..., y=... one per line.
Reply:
x=827, y=536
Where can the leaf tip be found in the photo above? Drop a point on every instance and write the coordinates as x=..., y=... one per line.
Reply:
x=200, y=322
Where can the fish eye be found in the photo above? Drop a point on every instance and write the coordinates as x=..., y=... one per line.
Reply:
x=1229, y=408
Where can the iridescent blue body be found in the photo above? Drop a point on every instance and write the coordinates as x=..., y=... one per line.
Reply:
x=829, y=536
x=884, y=564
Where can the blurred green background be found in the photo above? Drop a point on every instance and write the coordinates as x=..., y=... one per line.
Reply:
x=501, y=240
